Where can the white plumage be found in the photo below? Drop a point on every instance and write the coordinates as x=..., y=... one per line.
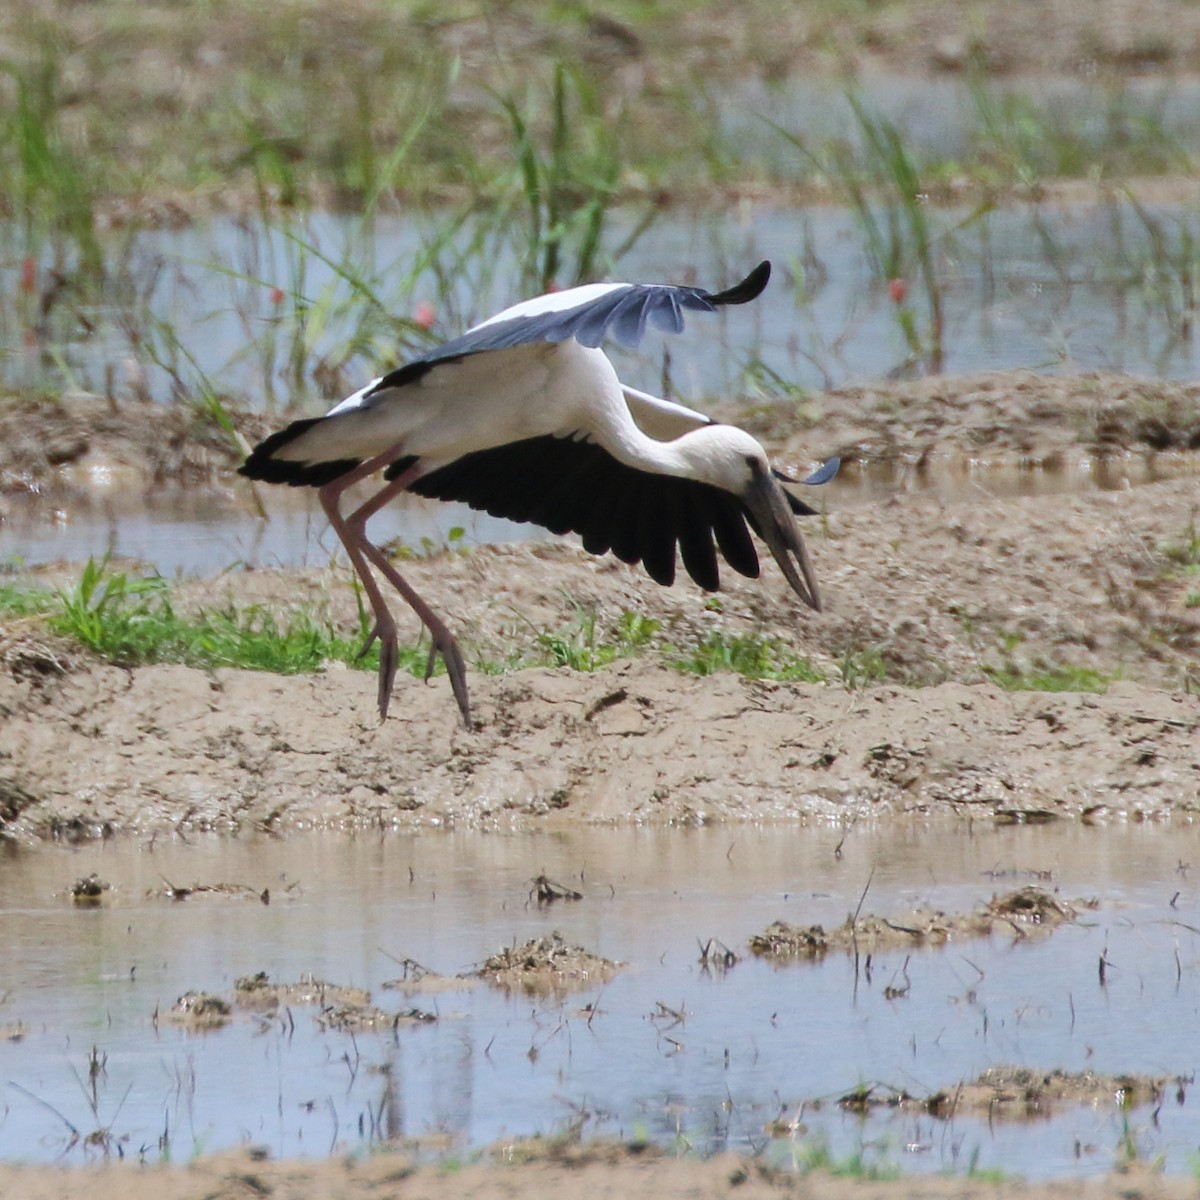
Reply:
x=524, y=416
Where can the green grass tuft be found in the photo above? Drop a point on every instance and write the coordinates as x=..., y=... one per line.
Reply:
x=24, y=600
x=859, y=668
x=816, y=1157
x=132, y=621
x=1054, y=678
x=580, y=648
x=750, y=655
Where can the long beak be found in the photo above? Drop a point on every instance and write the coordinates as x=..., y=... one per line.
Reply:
x=767, y=504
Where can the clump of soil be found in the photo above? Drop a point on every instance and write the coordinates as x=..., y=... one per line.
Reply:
x=89, y=891
x=200, y=1011
x=418, y=978
x=1034, y=906
x=1020, y=1092
x=1015, y=1094
x=342, y=1009
x=1026, y=909
x=546, y=964
x=360, y=1018
x=257, y=991
x=79, y=440
x=233, y=891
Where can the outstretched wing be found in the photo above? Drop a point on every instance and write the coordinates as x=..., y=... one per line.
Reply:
x=571, y=485
x=315, y=452
x=589, y=314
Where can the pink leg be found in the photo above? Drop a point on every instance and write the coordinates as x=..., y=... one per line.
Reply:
x=351, y=531
x=442, y=640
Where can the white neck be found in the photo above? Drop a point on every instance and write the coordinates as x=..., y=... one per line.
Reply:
x=715, y=454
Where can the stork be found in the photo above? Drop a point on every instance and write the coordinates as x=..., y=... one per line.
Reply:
x=523, y=416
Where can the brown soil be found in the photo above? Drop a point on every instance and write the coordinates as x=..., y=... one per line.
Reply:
x=934, y=594
x=1010, y=1093
x=1011, y=418
x=935, y=598
x=77, y=440
x=533, y=1172
x=546, y=964
x=199, y=1011
x=1016, y=914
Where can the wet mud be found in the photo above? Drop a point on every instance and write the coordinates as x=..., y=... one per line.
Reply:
x=1018, y=914
x=546, y=964
x=952, y=613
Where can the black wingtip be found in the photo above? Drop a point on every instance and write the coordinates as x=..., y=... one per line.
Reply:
x=823, y=474
x=749, y=289
x=262, y=465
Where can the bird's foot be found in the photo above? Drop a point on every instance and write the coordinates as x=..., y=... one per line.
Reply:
x=372, y=638
x=442, y=642
x=389, y=659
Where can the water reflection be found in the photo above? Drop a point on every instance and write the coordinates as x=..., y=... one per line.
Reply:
x=200, y=533
x=1040, y=285
x=754, y=1043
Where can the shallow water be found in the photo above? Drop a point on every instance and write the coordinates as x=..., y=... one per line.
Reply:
x=229, y=306
x=1046, y=287
x=756, y=1042
x=200, y=533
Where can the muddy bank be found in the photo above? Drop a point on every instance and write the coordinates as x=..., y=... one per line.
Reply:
x=997, y=418
x=102, y=748
x=1020, y=914
x=950, y=597
x=1019, y=658
x=598, y=1171
x=994, y=418
x=77, y=442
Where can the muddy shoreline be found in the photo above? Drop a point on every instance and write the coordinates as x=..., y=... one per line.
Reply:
x=597, y=1172
x=951, y=610
x=79, y=443
x=1026, y=657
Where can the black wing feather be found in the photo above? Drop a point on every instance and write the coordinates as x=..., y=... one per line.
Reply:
x=261, y=465
x=622, y=313
x=578, y=487
x=656, y=538
x=620, y=521
x=728, y=518
x=695, y=535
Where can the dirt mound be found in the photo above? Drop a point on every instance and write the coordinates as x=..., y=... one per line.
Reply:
x=1026, y=909
x=545, y=964
x=79, y=440
x=1024, y=659
x=1015, y=1094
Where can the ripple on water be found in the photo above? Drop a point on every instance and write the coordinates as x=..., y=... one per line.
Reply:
x=721, y=1054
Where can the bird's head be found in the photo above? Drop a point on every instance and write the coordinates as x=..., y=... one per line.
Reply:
x=729, y=458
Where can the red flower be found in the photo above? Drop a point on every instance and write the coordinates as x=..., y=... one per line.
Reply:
x=424, y=315
x=897, y=290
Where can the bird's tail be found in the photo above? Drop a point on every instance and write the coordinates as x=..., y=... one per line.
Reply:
x=266, y=464
x=749, y=289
